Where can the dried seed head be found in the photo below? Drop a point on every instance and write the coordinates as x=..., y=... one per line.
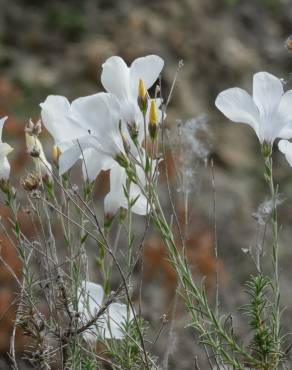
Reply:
x=33, y=128
x=31, y=182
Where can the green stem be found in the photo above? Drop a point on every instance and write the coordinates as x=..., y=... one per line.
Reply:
x=275, y=253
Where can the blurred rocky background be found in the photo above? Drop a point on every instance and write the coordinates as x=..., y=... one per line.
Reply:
x=58, y=47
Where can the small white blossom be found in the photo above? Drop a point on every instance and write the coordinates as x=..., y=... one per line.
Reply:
x=268, y=111
x=123, y=81
x=111, y=323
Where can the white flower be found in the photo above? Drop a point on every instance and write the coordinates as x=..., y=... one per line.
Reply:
x=123, y=81
x=268, y=111
x=5, y=149
x=78, y=129
x=111, y=323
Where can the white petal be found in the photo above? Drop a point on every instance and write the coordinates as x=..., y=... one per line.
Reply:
x=141, y=206
x=116, y=320
x=286, y=148
x=5, y=149
x=237, y=105
x=68, y=158
x=91, y=334
x=100, y=115
x=2, y=121
x=55, y=116
x=267, y=92
x=147, y=68
x=71, y=155
x=91, y=298
x=285, y=114
x=93, y=163
x=112, y=204
x=115, y=77
x=114, y=199
x=4, y=169
x=96, y=112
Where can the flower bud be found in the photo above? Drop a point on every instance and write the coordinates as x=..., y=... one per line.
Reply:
x=153, y=120
x=33, y=145
x=142, y=96
x=56, y=154
x=126, y=144
x=122, y=160
x=35, y=150
x=133, y=130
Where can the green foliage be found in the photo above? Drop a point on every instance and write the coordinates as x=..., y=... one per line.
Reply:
x=259, y=310
x=127, y=352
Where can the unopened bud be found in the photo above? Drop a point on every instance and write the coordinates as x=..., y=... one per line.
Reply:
x=133, y=130
x=126, y=144
x=153, y=120
x=56, y=154
x=122, y=160
x=33, y=145
x=142, y=96
x=35, y=150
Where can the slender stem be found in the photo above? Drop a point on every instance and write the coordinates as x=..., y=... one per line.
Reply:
x=275, y=252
